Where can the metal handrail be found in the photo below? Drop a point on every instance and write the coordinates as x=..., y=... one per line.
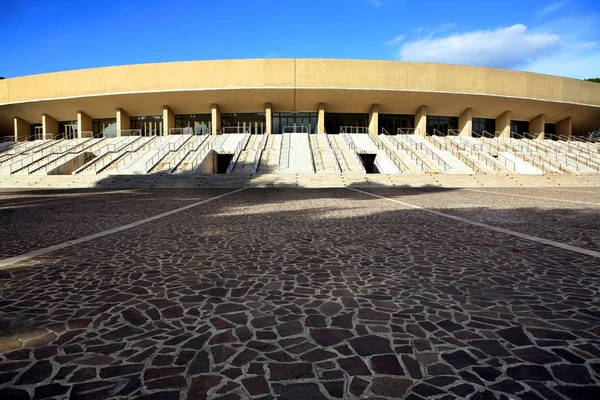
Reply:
x=129, y=154
x=63, y=155
x=453, y=132
x=394, y=157
x=336, y=162
x=238, y=129
x=411, y=153
x=429, y=153
x=350, y=143
x=312, y=156
x=174, y=163
x=135, y=132
x=304, y=129
x=120, y=153
x=201, y=154
x=261, y=149
x=354, y=129
x=164, y=150
x=58, y=153
x=285, y=138
x=238, y=150
x=29, y=160
x=409, y=131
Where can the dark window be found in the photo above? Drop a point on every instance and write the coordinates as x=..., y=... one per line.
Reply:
x=148, y=125
x=519, y=127
x=106, y=127
x=481, y=125
x=199, y=124
x=440, y=125
x=254, y=123
x=335, y=121
x=550, y=132
x=291, y=122
x=393, y=122
x=67, y=129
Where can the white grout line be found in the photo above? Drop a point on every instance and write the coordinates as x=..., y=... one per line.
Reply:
x=533, y=197
x=525, y=236
x=35, y=253
x=64, y=197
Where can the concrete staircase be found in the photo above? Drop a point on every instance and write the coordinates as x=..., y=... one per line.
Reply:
x=296, y=154
x=246, y=159
x=325, y=162
x=346, y=157
x=269, y=162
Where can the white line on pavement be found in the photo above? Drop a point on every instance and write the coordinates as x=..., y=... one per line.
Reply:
x=532, y=197
x=490, y=227
x=35, y=253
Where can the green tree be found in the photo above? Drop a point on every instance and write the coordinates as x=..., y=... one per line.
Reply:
x=597, y=80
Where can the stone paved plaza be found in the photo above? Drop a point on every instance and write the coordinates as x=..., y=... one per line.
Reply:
x=300, y=294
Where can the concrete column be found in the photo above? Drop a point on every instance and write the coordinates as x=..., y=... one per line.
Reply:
x=216, y=119
x=84, y=123
x=503, y=124
x=374, y=120
x=564, y=127
x=421, y=121
x=536, y=127
x=321, y=119
x=22, y=129
x=168, y=120
x=465, y=123
x=49, y=127
x=268, y=118
x=123, y=121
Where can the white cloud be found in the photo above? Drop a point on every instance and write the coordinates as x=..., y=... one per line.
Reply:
x=395, y=40
x=508, y=47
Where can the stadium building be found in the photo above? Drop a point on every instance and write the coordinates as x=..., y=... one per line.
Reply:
x=297, y=116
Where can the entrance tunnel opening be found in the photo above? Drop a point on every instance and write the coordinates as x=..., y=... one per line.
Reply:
x=222, y=162
x=368, y=161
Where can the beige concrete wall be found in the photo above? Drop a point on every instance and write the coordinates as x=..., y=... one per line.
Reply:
x=374, y=120
x=84, y=123
x=216, y=119
x=465, y=123
x=123, y=121
x=22, y=129
x=321, y=118
x=168, y=120
x=564, y=127
x=537, y=126
x=503, y=125
x=49, y=127
x=421, y=121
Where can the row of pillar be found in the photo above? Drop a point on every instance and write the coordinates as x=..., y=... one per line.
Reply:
x=465, y=122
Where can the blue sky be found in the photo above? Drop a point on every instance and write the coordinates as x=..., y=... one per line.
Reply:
x=559, y=37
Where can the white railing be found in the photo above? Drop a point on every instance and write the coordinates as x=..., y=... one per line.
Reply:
x=190, y=149
x=104, y=162
x=261, y=149
x=62, y=156
x=411, y=153
x=135, y=132
x=336, y=162
x=296, y=129
x=195, y=163
x=181, y=131
x=355, y=150
x=127, y=156
x=395, y=159
x=409, y=131
x=354, y=129
x=510, y=164
x=238, y=150
x=164, y=150
x=286, y=142
x=428, y=152
x=312, y=156
x=235, y=129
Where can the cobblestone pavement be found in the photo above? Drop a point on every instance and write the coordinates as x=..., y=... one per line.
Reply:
x=309, y=294
x=35, y=219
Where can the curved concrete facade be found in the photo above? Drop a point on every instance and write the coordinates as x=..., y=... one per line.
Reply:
x=301, y=85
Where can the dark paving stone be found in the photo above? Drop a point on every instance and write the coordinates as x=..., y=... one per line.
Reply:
x=515, y=335
x=286, y=372
x=386, y=365
x=38, y=372
x=256, y=385
x=371, y=344
x=329, y=337
x=293, y=391
x=13, y=394
x=529, y=373
x=490, y=347
x=426, y=390
x=335, y=388
x=536, y=355
x=354, y=366
x=358, y=386
x=572, y=374
x=459, y=359
x=390, y=387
